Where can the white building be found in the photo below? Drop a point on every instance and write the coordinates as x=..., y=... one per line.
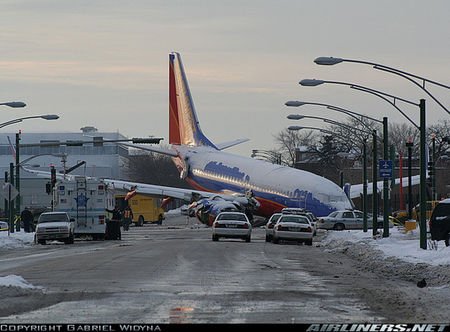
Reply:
x=107, y=160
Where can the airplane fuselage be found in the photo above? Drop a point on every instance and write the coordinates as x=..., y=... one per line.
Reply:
x=274, y=186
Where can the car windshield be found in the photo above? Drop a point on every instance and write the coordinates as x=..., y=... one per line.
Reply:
x=297, y=219
x=54, y=217
x=240, y=217
x=274, y=218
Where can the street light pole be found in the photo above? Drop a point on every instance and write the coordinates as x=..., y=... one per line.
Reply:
x=14, y=121
x=364, y=202
x=412, y=78
x=374, y=184
x=409, y=145
x=423, y=177
x=354, y=115
x=18, y=198
x=386, y=205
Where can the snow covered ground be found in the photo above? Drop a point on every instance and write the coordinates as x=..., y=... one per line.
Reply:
x=397, y=255
x=401, y=245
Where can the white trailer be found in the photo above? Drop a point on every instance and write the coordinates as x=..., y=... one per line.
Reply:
x=85, y=200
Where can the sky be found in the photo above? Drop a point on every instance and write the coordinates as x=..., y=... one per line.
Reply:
x=104, y=63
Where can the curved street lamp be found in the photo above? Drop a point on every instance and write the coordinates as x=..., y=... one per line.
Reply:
x=374, y=163
x=267, y=154
x=14, y=121
x=296, y=128
x=14, y=104
x=45, y=117
x=329, y=61
x=354, y=115
x=422, y=131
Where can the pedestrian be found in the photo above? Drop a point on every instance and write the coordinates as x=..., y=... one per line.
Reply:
x=27, y=217
x=113, y=226
x=127, y=218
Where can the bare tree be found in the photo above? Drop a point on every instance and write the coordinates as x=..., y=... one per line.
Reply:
x=288, y=142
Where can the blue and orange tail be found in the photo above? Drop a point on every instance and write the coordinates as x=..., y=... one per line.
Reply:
x=184, y=128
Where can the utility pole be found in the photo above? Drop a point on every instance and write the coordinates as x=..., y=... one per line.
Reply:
x=18, y=197
x=11, y=203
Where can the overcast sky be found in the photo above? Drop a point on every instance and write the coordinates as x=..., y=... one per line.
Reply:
x=104, y=63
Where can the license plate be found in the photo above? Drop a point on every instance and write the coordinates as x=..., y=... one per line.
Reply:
x=231, y=226
x=294, y=229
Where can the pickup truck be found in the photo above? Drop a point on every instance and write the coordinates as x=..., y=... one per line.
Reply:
x=55, y=226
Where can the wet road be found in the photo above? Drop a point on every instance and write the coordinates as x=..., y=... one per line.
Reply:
x=174, y=273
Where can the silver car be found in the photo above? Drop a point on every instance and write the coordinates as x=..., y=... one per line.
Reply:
x=293, y=228
x=270, y=224
x=231, y=225
x=346, y=219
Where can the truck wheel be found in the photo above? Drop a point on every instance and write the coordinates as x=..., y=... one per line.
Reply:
x=41, y=241
x=140, y=222
x=160, y=219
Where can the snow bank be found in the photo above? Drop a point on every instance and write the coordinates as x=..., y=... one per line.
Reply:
x=397, y=256
x=16, y=240
x=16, y=281
x=404, y=246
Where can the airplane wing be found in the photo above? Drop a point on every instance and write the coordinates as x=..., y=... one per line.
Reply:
x=151, y=189
x=357, y=189
x=161, y=150
x=225, y=145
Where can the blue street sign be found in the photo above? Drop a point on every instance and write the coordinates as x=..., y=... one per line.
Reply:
x=385, y=167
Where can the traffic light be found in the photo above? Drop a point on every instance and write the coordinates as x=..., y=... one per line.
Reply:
x=53, y=176
x=48, y=188
x=430, y=168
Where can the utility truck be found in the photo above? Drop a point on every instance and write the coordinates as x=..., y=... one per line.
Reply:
x=85, y=200
x=145, y=208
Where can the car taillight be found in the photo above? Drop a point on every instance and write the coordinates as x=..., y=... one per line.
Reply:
x=309, y=229
x=245, y=226
x=218, y=225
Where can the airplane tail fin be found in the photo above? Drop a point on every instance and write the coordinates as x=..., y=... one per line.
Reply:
x=184, y=127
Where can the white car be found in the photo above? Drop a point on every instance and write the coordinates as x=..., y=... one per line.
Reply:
x=293, y=228
x=231, y=225
x=55, y=226
x=312, y=218
x=270, y=224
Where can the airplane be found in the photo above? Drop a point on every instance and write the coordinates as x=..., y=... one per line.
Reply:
x=215, y=173
x=224, y=181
